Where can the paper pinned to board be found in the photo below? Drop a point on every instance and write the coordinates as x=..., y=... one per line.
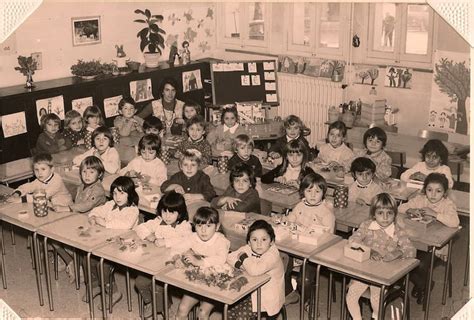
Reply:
x=270, y=86
x=256, y=80
x=271, y=97
x=269, y=76
x=269, y=65
x=252, y=66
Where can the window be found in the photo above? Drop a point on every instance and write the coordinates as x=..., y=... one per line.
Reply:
x=244, y=24
x=318, y=28
x=400, y=32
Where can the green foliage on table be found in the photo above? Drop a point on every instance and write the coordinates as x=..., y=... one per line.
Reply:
x=27, y=65
x=150, y=36
x=87, y=68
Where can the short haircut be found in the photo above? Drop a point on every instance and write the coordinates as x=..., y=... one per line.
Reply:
x=239, y=170
x=190, y=155
x=362, y=164
x=205, y=215
x=436, y=177
x=43, y=158
x=293, y=120
x=313, y=179
x=126, y=100
x=261, y=225
x=173, y=201
x=103, y=130
x=126, y=185
x=92, y=162
x=152, y=122
x=192, y=104
x=232, y=109
x=339, y=125
x=50, y=117
x=383, y=201
x=151, y=141
x=435, y=146
x=198, y=119
x=375, y=132
x=70, y=115
x=168, y=80
x=242, y=139
x=93, y=111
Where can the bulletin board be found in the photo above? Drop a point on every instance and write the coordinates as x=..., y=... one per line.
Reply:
x=240, y=81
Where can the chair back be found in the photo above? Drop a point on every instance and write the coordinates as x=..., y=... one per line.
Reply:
x=428, y=134
x=398, y=158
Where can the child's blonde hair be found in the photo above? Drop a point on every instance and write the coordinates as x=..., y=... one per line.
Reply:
x=70, y=115
x=242, y=139
x=293, y=120
x=383, y=201
x=93, y=111
x=50, y=117
x=191, y=155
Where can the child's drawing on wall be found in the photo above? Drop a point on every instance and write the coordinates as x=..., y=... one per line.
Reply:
x=140, y=90
x=50, y=105
x=192, y=80
x=398, y=77
x=391, y=77
x=81, y=104
x=111, y=106
x=367, y=75
x=13, y=124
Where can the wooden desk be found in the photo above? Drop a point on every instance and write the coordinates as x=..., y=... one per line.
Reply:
x=175, y=277
x=16, y=171
x=383, y=274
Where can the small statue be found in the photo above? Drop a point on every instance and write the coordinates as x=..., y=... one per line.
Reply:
x=173, y=54
x=121, y=60
x=120, y=52
x=186, y=54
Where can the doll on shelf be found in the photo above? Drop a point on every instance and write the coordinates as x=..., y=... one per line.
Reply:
x=185, y=53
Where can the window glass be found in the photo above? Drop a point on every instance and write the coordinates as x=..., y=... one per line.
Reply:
x=232, y=20
x=418, y=17
x=384, y=27
x=302, y=24
x=329, y=25
x=256, y=22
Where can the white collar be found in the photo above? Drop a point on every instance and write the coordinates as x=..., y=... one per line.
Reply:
x=231, y=129
x=390, y=230
x=288, y=139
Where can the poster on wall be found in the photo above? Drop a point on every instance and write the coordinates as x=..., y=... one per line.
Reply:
x=13, y=124
x=192, y=80
x=141, y=90
x=398, y=77
x=81, y=104
x=449, y=106
x=50, y=105
x=367, y=75
x=111, y=106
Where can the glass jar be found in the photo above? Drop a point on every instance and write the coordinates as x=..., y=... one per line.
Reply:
x=40, y=203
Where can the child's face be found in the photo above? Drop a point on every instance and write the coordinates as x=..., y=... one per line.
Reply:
x=434, y=192
x=42, y=171
x=432, y=160
x=169, y=93
x=295, y=158
x=244, y=151
x=189, y=167
x=195, y=131
x=76, y=124
x=242, y=184
x=229, y=119
x=374, y=145
x=51, y=127
x=120, y=197
x=364, y=177
x=206, y=231
x=128, y=110
x=101, y=142
x=260, y=241
x=169, y=217
x=189, y=112
x=335, y=138
x=154, y=131
x=313, y=194
x=89, y=175
x=384, y=217
x=93, y=121
x=148, y=154
x=293, y=131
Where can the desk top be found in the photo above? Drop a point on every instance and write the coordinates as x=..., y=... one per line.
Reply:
x=176, y=277
x=379, y=272
x=16, y=170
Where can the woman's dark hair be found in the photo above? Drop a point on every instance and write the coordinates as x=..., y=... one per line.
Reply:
x=261, y=225
x=173, y=201
x=436, y=177
x=106, y=131
x=126, y=185
x=313, y=179
x=375, y=132
x=239, y=170
x=206, y=215
x=150, y=140
x=171, y=81
x=435, y=146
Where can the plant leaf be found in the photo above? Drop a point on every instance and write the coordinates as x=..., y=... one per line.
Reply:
x=143, y=33
x=154, y=28
x=162, y=31
x=143, y=44
x=155, y=37
x=139, y=11
x=151, y=48
x=159, y=17
x=139, y=20
x=147, y=13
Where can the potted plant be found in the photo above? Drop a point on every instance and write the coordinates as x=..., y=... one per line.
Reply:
x=337, y=70
x=27, y=67
x=87, y=70
x=150, y=37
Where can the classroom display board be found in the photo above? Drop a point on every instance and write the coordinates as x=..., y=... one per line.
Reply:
x=240, y=81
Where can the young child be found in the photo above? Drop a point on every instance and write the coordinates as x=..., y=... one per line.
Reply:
x=375, y=139
x=388, y=242
x=243, y=148
x=221, y=137
x=210, y=244
x=335, y=152
x=74, y=128
x=103, y=148
x=432, y=202
x=146, y=164
x=364, y=188
x=196, y=128
x=127, y=121
x=94, y=119
x=119, y=213
x=241, y=195
x=153, y=125
x=294, y=167
x=169, y=229
x=293, y=129
x=50, y=140
x=46, y=180
x=190, y=110
x=434, y=156
x=260, y=256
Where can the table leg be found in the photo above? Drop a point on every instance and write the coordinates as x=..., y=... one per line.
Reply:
x=343, y=298
x=77, y=269
x=89, y=285
x=466, y=267
x=4, y=274
x=153, y=297
x=330, y=294
x=303, y=277
x=426, y=305
x=102, y=288
x=405, y=298
x=46, y=271
x=315, y=310
x=259, y=304
x=129, y=290
x=36, y=257
x=1, y=236
x=446, y=272
x=165, y=307
x=226, y=309
x=381, y=299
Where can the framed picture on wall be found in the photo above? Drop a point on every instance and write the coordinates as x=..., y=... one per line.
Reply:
x=86, y=31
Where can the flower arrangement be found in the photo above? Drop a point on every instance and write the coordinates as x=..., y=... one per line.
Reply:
x=27, y=65
x=87, y=68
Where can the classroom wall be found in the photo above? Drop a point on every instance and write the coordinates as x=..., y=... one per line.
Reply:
x=48, y=30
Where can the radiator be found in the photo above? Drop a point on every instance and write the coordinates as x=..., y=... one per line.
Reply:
x=309, y=98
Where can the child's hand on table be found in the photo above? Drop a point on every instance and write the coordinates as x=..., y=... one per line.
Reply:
x=293, y=183
x=13, y=197
x=175, y=187
x=375, y=255
x=429, y=212
x=394, y=255
x=190, y=258
x=280, y=179
x=230, y=203
x=61, y=208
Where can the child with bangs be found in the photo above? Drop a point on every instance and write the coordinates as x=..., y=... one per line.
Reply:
x=153, y=125
x=293, y=131
x=94, y=119
x=364, y=188
x=127, y=122
x=196, y=129
x=221, y=137
x=74, y=128
x=335, y=152
x=243, y=147
x=375, y=140
x=50, y=140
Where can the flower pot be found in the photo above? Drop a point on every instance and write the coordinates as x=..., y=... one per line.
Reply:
x=151, y=59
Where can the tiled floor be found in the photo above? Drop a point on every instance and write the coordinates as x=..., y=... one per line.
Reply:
x=22, y=295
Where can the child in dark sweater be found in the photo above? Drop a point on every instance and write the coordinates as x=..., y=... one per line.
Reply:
x=243, y=148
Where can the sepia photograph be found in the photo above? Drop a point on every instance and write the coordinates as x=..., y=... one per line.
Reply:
x=86, y=31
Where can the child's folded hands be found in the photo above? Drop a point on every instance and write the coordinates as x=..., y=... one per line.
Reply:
x=230, y=203
x=393, y=255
